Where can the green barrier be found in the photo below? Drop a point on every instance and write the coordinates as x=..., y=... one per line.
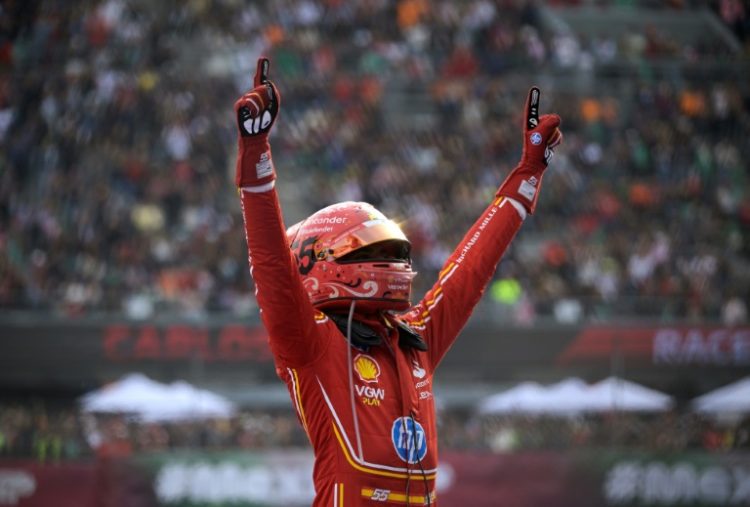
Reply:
x=689, y=478
x=247, y=479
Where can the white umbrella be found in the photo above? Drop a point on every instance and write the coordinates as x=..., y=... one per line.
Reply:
x=619, y=394
x=515, y=399
x=732, y=398
x=131, y=394
x=188, y=402
x=574, y=396
x=564, y=397
x=137, y=395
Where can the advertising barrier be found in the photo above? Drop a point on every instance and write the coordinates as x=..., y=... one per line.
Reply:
x=28, y=484
x=480, y=479
x=84, y=354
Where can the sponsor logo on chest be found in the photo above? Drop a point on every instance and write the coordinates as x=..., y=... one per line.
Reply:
x=420, y=373
x=368, y=370
x=409, y=439
x=371, y=396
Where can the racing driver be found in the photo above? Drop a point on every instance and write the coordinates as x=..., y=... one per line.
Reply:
x=334, y=292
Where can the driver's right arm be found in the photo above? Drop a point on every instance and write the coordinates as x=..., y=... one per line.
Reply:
x=285, y=308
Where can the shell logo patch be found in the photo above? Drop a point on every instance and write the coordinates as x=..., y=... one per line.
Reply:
x=367, y=368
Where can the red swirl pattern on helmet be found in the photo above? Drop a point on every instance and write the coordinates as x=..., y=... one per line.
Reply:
x=321, y=240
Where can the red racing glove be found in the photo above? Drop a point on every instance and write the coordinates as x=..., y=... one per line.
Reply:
x=256, y=111
x=540, y=137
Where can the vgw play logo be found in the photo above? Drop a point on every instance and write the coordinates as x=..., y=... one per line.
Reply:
x=409, y=439
x=368, y=370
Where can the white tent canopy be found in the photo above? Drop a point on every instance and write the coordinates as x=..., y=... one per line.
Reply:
x=619, y=394
x=137, y=395
x=567, y=396
x=573, y=396
x=133, y=393
x=563, y=397
x=515, y=399
x=732, y=398
x=189, y=402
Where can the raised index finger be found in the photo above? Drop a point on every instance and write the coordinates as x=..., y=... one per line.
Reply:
x=261, y=72
x=532, y=108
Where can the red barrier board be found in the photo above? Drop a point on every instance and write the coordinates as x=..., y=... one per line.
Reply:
x=514, y=480
x=30, y=484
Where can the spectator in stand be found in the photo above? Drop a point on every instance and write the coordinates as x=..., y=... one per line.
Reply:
x=47, y=435
x=111, y=201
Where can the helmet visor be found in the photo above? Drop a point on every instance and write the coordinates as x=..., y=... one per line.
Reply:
x=384, y=251
x=370, y=233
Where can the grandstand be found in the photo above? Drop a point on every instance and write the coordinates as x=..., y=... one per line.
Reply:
x=122, y=247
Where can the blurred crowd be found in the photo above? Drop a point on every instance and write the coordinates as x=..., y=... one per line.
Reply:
x=45, y=433
x=117, y=142
x=55, y=433
x=663, y=432
x=117, y=435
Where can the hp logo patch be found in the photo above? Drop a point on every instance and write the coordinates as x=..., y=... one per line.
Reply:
x=409, y=439
x=536, y=138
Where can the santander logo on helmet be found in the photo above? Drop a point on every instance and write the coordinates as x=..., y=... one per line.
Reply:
x=351, y=251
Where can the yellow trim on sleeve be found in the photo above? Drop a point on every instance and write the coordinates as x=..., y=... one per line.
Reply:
x=446, y=270
x=299, y=400
x=429, y=303
x=434, y=296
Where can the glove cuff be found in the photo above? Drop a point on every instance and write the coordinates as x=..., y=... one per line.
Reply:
x=523, y=184
x=254, y=163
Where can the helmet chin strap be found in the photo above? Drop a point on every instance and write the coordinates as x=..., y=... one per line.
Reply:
x=351, y=376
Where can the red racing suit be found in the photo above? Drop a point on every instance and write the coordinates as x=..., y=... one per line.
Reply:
x=371, y=420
